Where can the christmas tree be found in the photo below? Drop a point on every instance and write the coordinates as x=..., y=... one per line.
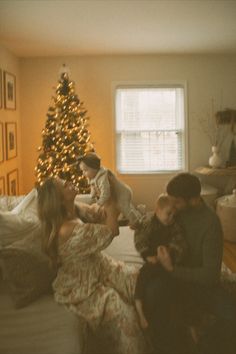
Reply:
x=65, y=137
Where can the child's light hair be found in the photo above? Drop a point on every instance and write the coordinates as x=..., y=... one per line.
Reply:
x=163, y=201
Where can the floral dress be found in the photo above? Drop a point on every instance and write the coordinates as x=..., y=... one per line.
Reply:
x=99, y=289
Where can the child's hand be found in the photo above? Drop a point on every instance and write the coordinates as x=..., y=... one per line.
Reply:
x=143, y=322
x=163, y=257
x=134, y=226
x=151, y=259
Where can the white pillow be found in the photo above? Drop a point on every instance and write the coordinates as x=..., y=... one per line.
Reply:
x=20, y=222
x=8, y=202
x=28, y=205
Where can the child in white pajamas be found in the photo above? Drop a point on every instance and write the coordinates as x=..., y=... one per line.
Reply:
x=105, y=187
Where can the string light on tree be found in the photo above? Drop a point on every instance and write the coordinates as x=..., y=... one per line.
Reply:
x=65, y=136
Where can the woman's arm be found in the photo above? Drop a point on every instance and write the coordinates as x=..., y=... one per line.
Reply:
x=88, y=214
x=107, y=214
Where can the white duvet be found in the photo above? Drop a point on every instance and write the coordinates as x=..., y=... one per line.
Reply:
x=21, y=221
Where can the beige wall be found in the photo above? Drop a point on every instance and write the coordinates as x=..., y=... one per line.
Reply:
x=10, y=63
x=207, y=77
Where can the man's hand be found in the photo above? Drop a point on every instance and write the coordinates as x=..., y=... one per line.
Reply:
x=164, y=259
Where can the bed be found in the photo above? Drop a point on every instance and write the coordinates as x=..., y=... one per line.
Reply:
x=43, y=326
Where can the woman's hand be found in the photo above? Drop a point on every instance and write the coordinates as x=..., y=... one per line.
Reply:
x=111, y=217
x=142, y=319
x=163, y=257
x=95, y=207
x=98, y=212
x=143, y=322
x=91, y=213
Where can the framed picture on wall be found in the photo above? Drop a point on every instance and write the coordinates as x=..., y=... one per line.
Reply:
x=13, y=182
x=0, y=88
x=2, y=186
x=9, y=90
x=11, y=140
x=1, y=143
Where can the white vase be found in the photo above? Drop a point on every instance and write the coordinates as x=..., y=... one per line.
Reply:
x=215, y=160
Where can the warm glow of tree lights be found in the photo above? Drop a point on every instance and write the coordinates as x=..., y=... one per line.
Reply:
x=65, y=137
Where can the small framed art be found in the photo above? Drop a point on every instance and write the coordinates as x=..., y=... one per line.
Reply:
x=0, y=88
x=1, y=143
x=13, y=182
x=2, y=186
x=11, y=140
x=9, y=90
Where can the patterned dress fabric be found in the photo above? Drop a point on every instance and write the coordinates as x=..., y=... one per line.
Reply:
x=99, y=289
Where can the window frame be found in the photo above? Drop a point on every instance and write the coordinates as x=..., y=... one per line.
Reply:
x=154, y=84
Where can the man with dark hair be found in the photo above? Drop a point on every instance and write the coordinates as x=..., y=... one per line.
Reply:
x=197, y=282
x=184, y=185
x=203, y=231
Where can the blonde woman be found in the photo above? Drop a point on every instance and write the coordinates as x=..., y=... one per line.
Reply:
x=89, y=283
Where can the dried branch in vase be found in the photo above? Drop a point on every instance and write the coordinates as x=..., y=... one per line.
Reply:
x=209, y=125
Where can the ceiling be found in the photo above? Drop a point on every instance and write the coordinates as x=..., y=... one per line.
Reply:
x=33, y=28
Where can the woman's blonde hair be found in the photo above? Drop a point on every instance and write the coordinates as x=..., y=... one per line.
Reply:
x=52, y=213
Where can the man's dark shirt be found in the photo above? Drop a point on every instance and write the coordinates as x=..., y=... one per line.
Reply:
x=204, y=237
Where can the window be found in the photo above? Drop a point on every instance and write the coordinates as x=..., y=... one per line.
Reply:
x=150, y=129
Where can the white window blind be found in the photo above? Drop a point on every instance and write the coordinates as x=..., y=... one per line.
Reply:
x=150, y=129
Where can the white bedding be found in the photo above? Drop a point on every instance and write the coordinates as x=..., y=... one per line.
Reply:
x=122, y=247
x=43, y=327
